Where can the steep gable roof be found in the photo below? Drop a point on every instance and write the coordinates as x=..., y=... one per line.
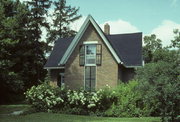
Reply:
x=126, y=48
x=78, y=36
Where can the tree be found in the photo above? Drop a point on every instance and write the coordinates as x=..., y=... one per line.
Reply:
x=37, y=20
x=160, y=83
x=13, y=21
x=151, y=45
x=63, y=15
x=38, y=11
x=176, y=41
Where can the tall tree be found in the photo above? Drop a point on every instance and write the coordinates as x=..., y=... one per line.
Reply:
x=13, y=32
x=151, y=45
x=38, y=11
x=63, y=16
x=37, y=20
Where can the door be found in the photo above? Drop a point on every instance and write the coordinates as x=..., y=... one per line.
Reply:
x=90, y=78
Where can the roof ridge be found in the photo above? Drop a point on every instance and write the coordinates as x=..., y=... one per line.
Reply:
x=124, y=34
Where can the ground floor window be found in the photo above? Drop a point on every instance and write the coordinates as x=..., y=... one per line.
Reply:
x=60, y=79
x=90, y=78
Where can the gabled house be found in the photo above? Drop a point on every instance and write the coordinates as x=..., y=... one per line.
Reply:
x=93, y=58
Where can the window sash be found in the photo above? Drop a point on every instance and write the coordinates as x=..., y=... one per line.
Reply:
x=90, y=54
x=90, y=78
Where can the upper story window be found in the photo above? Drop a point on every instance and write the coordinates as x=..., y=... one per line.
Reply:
x=90, y=54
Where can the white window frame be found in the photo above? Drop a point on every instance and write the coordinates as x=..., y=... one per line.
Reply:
x=62, y=79
x=85, y=54
x=85, y=77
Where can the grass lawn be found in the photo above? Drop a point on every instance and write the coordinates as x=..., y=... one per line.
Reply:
x=7, y=109
x=52, y=117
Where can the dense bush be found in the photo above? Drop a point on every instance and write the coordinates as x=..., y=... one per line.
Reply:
x=43, y=97
x=129, y=102
x=123, y=101
x=160, y=83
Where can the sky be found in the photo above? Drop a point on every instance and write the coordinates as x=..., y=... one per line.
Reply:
x=158, y=17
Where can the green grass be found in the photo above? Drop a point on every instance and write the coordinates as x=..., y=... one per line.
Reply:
x=50, y=117
x=55, y=117
x=7, y=109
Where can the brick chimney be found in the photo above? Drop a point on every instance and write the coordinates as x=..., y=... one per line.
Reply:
x=107, y=29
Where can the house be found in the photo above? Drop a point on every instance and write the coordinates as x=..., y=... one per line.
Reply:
x=93, y=58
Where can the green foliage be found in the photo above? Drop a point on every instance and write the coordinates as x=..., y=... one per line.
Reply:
x=123, y=101
x=43, y=97
x=176, y=41
x=151, y=45
x=63, y=16
x=22, y=52
x=12, y=32
x=160, y=83
x=38, y=12
x=129, y=103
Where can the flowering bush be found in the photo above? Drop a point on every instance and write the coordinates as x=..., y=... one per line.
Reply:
x=121, y=101
x=92, y=101
x=43, y=97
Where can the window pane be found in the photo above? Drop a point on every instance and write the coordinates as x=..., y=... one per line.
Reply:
x=87, y=78
x=93, y=78
x=90, y=78
x=90, y=54
x=90, y=59
x=90, y=50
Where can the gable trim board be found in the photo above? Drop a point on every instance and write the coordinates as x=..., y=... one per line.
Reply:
x=78, y=37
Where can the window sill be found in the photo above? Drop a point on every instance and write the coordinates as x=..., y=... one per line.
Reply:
x=90, y=65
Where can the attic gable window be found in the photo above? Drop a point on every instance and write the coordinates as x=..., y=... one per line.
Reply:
x=90, y=54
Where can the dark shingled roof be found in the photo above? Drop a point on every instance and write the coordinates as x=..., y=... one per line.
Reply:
x=58, y=51
x=127, y=46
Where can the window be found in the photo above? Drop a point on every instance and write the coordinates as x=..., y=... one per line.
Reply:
x=61, y=80
x=90, y=54
x=90, y=78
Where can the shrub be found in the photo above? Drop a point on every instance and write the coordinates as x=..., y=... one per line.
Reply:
x=46, y=98
x=123, y=101
x=91, y=101
x=43, y=97
x=128, y=104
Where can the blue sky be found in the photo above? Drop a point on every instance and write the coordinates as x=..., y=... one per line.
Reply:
x=158, y=17
x=144, y=14
x=147, y=16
